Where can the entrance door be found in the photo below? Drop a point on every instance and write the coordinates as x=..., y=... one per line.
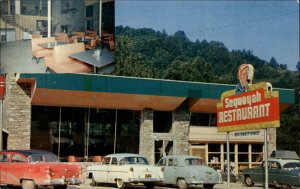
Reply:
x=162, y=148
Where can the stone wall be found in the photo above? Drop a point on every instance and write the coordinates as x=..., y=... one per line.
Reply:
x=146, y=135
x=181, y=132
x=271, y=140
x=17, y=114
x=178, y=134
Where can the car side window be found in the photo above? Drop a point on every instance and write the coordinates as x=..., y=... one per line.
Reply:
x=18, y=158
x=4, y=157
x=171, y=162
x=175, y=162
x=162, y=162
x=274, y=165
x=114, y=161
x=106, y=160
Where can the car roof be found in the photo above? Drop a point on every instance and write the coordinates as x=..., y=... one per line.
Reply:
x=283, y=161
x=28, y=152
x=122, y=155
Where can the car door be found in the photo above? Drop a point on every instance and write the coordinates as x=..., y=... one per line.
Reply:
x=4, y=161
x=113, y=170
x=275, y=172
x=171, y=168
x=101, y=173
x=17, y=168
x=258, y=174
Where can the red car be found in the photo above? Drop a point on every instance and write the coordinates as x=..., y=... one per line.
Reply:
x=32, y=168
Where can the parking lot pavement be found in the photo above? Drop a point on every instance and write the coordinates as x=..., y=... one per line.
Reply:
x=237, y=185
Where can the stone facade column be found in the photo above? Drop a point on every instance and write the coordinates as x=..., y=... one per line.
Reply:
x=271, y=140
x=180, y=129
x=17, y=113
x=146, y=135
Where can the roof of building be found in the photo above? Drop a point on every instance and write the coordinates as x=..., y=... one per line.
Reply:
x=119, y=92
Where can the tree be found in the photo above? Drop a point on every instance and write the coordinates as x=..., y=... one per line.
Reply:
x=273, y=63
x=194, y=70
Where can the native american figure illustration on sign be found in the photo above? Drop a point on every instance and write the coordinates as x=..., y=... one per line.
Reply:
x=245, y=77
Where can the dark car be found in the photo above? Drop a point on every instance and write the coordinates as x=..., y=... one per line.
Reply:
x=284, y=171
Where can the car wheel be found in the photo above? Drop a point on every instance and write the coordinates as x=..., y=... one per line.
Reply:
x=120, y=184
x=208, y=186
x=149, y=185
x=28, y=184
x=182, y=184
x=285, y=186
x=272, y=185
x=93, y=183
x=60, y=187
x=248, y=181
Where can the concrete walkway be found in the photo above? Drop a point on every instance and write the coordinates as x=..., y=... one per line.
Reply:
x=16, y=57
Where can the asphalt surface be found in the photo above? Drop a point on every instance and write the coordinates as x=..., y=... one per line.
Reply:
x=236, y=185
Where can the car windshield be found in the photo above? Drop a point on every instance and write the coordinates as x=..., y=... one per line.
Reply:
x=292, y=165
x=193, y=161
x=47, y=157
x=134, y=160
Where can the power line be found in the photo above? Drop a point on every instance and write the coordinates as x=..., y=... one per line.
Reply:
x=244, y=23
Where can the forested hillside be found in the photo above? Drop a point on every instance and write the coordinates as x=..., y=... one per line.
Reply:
x=155, y=54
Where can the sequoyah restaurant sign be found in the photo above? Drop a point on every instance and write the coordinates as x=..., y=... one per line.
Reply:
x=256, y=109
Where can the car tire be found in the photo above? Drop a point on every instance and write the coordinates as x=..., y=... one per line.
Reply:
x=182, y=184
x=60, y=186
x=120, y=184
x=28, y=184
x=285, y=186
x=208, y=186
x=149, y=185
x=248, y=181
x=93, y=183
x=272, y=185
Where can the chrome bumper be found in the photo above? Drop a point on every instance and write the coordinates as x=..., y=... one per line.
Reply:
x=206, y=182
x=64, y=181
x=145, y=180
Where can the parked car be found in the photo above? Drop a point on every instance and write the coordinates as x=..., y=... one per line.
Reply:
x=185, y=171
x=32, y=168
x=282, y=170
x=124, y=169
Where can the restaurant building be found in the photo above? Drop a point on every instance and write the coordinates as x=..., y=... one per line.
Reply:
x=93, y=115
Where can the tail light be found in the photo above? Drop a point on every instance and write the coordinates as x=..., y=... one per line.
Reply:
x=79, y=171
x=131, y=169
x=49, y=173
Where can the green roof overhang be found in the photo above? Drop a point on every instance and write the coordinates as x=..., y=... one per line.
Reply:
x=202, y=97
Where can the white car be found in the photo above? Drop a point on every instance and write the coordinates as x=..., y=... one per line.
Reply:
x=124, y=169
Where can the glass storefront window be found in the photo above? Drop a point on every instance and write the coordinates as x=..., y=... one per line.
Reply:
x=84, y=132
x=203, y=119
x=34, y=7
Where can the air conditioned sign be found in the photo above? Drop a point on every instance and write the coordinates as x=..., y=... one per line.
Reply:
x=252, y=110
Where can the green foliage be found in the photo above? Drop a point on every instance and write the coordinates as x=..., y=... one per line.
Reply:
x=288, y=134
x=195, y=70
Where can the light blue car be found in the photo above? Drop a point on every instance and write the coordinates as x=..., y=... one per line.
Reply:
x=185, y=171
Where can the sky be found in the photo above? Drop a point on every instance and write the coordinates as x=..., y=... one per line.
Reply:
x=268, y=28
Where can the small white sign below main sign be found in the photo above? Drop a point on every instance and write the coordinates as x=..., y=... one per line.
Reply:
x=247, y=133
